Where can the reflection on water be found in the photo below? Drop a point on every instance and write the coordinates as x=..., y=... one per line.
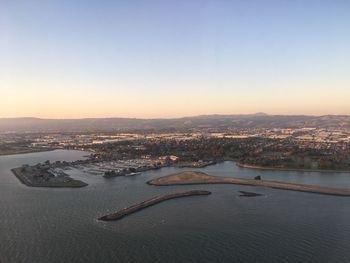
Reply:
x=59, y=225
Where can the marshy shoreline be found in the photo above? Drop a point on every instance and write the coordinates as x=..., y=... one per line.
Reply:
x=269, y=168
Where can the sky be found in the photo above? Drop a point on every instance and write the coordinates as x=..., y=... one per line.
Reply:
x=151, y=59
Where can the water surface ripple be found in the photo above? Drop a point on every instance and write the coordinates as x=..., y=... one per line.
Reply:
x=43, y=225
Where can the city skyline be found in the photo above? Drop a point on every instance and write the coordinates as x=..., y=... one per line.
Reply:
x=161, y=59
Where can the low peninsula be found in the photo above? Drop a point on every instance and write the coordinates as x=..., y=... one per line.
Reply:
x=41, y=175
x=191, y=178
x=155, y=200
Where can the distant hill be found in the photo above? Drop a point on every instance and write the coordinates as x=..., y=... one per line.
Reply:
x=220, y=122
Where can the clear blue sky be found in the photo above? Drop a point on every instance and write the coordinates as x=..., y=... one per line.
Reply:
x=173, y=58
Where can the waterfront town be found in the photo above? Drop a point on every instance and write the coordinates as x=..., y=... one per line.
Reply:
x=129, y=154
x=316, y=138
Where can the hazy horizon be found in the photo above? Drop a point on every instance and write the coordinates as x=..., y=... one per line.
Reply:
x=178, y=117
x=164, y=59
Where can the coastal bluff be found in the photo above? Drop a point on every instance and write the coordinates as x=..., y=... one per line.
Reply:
x=192, y=178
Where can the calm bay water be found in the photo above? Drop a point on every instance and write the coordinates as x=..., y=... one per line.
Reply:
x=59, y=225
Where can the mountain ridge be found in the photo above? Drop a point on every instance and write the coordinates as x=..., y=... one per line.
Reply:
x=33, y=124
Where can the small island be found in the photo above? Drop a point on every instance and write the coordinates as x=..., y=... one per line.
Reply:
x=191, y=178
x=155, y=200
x=42, y=175
x=248, y=194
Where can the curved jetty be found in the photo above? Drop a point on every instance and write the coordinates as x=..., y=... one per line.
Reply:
x=154, y=200
x=189, y=178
